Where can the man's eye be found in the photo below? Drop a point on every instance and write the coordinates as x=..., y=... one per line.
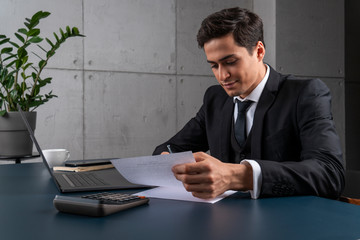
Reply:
x=214, y=66
x=231, y=62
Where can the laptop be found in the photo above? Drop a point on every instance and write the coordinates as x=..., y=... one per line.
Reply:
x=106, y=179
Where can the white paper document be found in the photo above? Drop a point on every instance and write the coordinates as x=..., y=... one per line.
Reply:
x=156, y=171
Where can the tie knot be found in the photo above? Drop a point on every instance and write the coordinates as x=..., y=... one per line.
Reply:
x=243, y=106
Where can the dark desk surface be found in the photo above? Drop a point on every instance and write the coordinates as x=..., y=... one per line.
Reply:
x=27, y=212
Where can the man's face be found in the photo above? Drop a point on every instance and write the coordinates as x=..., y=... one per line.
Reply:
x=237, y=71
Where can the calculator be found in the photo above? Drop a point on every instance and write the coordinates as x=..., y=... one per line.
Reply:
x=98, y=204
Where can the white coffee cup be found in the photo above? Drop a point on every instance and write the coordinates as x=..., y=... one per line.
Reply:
x=56, y=157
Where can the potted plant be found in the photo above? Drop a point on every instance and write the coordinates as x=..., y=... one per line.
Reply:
x=21, y=81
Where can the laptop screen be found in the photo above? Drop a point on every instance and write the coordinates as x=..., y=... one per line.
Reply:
x=32, y=136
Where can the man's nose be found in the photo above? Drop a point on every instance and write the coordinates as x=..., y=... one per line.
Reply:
x=223, y=73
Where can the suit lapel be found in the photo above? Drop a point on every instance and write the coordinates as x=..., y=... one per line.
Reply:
x=266, y=100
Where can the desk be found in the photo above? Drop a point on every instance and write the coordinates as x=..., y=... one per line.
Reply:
x=27, y=212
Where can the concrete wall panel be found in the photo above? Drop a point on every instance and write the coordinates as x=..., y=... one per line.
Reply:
x=266, y=9
x=63, y=13
x=190, y=94
x=127, y=114
x=132, y=36
x=310, y=37
x=60, y=121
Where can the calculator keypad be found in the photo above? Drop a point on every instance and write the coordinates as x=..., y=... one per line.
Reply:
x=113, y=198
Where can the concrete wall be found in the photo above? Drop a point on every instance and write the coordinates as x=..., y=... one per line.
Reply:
x=138, y=76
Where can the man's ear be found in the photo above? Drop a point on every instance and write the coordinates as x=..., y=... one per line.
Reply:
x=260, y=50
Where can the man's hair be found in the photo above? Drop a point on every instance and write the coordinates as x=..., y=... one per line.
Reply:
x=246, y=27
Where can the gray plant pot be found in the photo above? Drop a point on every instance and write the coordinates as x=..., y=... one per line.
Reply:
x=14, y=137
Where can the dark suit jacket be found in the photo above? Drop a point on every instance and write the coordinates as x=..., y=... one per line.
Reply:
x=293, y=136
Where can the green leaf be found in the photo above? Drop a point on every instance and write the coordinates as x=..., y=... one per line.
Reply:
x=23, y=86
x=20, y=37
x=11, y=63
x=18, y=63
x=33, y=24
x=36, y=16
x=2, y=36
x=75, y=31
x=19, y=90
x=36, y=90
x=2, y=112
x=21, y=53
x=39, y=15
x=33, y=32
x=62, y=34
x=50, y=54
x=26, y=66
x=14, y=44
x=36, y=39
x=48, y=40
x=47, y=80
x=24, y=60
x=23, y=31
x=42, y=63
x=23, y=75
x=56, y=37
x=68, y=30
x=45, y=14
x=6, y=50
x=10, y=82
x=4, y=41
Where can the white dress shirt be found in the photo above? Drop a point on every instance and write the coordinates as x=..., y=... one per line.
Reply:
x=253, y=96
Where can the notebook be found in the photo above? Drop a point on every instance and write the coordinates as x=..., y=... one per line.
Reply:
x=107, y=179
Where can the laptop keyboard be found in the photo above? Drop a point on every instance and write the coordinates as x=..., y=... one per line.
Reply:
x=84, y=180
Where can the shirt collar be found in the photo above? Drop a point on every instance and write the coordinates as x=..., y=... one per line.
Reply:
x=256, y=93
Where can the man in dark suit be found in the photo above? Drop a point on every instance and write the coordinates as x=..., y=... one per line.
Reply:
x=282, y=143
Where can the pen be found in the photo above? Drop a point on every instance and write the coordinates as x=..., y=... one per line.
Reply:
x=168, y=146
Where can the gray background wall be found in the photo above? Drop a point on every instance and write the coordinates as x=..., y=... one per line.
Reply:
x=138, y=76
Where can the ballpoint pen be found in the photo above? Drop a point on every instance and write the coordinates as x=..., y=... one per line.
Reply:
x=168, y=146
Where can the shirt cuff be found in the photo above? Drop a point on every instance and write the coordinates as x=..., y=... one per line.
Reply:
x=257, y=178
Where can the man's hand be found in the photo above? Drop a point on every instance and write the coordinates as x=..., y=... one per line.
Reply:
x=208, y=177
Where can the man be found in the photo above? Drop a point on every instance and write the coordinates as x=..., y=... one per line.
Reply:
x=289, y=145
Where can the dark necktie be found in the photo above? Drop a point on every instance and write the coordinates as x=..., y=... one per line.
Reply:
x=240, y=124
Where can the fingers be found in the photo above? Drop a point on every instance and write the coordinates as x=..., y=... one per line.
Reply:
x=201, y=156
x=190, y=168
x=202, y=178
x=205, y=195
x=202, y=164
x=163, y=153
x=203, y=191
x=194, y=178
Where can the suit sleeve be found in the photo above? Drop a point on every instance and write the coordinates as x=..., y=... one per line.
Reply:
x=319, y=170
